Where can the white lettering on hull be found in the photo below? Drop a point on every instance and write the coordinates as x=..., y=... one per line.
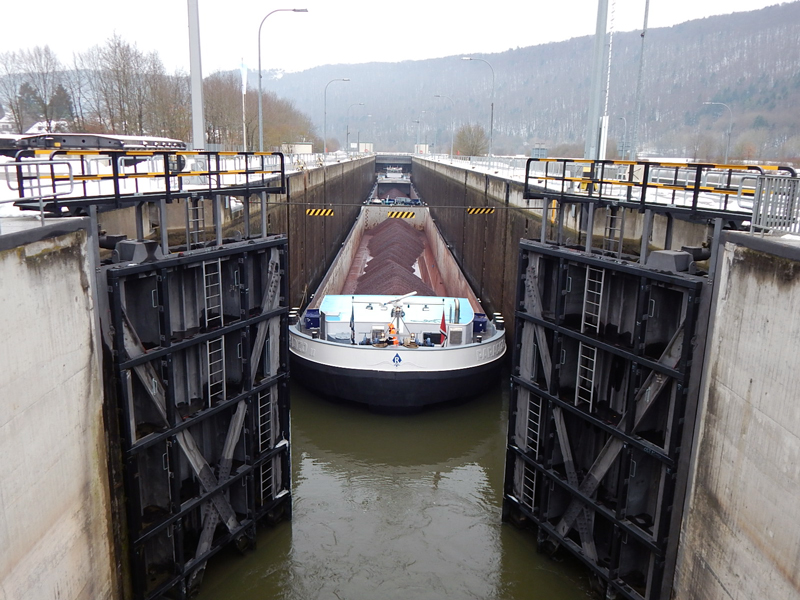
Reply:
x=490, y=351
x=301, y=346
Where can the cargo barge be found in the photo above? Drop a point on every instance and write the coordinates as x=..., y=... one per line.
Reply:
x=394, y=323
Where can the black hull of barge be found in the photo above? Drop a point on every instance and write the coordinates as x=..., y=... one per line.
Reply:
x=394, y=390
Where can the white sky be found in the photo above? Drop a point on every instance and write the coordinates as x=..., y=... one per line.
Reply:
x=343, y=31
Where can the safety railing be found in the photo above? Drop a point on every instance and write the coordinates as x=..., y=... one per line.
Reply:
x=701, y=189
x=42, y=177
x=62, y=179
x=777, y=205
x=512, y=167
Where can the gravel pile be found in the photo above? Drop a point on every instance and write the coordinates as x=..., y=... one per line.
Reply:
x=394, y=247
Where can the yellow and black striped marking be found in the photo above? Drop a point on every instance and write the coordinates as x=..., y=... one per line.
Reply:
x=319, y=212
x=401, y=214
x=483, y=210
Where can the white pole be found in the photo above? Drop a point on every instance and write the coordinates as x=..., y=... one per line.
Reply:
x=635, y=134
x=244, y=104
x=196, y=77
x=591, y=148
x=452, y=123
x=491, y=114
x=325, y=116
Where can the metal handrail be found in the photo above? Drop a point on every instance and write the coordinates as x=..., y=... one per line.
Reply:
x=700, y=189
x=777, y=205
x=30, y=171
x=120, y=177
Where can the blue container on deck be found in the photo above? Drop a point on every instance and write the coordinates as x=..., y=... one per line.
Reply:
x=479, y=323
x=312, y=318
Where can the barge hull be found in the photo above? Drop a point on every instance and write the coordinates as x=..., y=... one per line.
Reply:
x=400, y=390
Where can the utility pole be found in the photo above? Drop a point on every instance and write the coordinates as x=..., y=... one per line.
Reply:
x=594, y=130
x=196, y=78
x=635, y=135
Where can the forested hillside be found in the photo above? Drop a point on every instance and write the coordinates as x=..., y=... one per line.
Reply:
x=749, y=61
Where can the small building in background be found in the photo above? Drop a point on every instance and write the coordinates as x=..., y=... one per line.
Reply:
x=363, y=147
x=296, y=148
x=7, y=124
x=539, y=151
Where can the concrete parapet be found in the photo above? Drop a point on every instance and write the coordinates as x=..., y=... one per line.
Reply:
x=54, y=496
x=741, y=534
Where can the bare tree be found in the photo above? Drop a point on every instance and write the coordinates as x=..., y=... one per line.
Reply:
x=222, y=93
x=42, y=72
x=76, y=84
x=223, y=109
x=96, y=98
x=284, y=123
x=122, y=66
x=168, y=107
x=10, y=82
x=112, y=86
x=115, y=88
x=471, y=140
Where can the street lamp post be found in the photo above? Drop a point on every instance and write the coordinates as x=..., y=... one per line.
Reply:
x=347, y=135
x=624, y=135
x=358, y=138
x=419, y=127
x=491, y=117
x=452, y=122
x=730, y=127
x=244, y=107
x=325, y=115
x=260, y=117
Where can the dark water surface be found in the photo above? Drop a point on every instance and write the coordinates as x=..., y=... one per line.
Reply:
x=395, y=507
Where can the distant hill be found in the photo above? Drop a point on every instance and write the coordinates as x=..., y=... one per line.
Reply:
x=750, y=61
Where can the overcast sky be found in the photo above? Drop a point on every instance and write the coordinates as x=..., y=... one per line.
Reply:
x=344, y=31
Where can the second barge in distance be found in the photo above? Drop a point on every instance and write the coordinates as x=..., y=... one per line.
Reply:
x=394, y=323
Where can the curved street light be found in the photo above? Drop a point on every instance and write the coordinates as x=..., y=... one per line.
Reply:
x=347, y=135
x=491, y=118
x=325, y=115
x=260, y=118
x=452, y=122
x=730, y=127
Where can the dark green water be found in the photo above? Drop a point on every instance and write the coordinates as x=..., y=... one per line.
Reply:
x=395, y=507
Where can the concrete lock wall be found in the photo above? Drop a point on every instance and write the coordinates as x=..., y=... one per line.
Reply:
x=315, y=240
x=54, y=497
x=486, y=246
x=741, y=534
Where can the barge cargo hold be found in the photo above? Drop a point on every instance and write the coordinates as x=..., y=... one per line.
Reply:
x=394, y=323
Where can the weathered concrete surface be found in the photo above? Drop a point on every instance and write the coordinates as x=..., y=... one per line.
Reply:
x=486, y=246
x=741, y=532
x=54, y=497
x=314, y=241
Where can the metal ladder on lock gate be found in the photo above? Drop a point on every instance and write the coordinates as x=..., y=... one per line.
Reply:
x=590, y=323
